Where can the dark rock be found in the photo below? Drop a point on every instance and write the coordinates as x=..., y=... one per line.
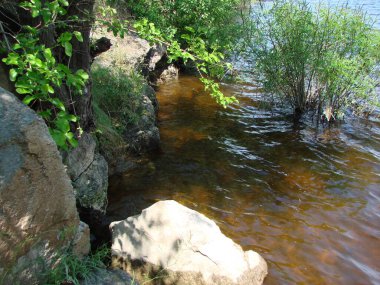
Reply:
x=101, y=45
x=156, y=67
x=91, y=186
x=110, y=277
x=88, y=171
x=80, y=158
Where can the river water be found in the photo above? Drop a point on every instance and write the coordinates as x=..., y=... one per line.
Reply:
x=306, y=199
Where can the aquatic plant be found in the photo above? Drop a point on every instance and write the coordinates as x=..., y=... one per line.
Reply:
x=316, y=58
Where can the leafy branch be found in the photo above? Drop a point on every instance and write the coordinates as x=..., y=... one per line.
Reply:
x=38, y=75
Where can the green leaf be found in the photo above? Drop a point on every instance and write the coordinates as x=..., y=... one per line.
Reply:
x=13, y=75
x=186, y=37
x=57, y=103
x=190, y=29
x=83, y=74
x=49, y=55
x=46, y=88
x=65, y=37
x=50, y=89
x=28, y=99
x=64, y=3
x=79, y=36
x=67, y=116
x=23, y=91
x=59, y=138
x=68, y=48
x=64, y=68
x=46, y=15
x=73, y=142
x=35, y=13
x=46, y=114
x=11, y=59
x=62, y=124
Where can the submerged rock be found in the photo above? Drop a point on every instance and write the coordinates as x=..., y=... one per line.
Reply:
x=180, y=246
x=38, y=215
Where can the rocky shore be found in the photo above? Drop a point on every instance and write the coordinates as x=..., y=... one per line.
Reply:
x=52, y=201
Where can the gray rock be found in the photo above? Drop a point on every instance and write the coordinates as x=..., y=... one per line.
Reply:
x=110, y=277
x=91, y=186
x=38, y=215
x=132, y=54
x=81, y=243
x=183, y=247
x=151, y=94
x=168, y=74
x=89, y=172
x=144, y=134
x=128, y=53
x=156, y=66
x=79, y=159
x=154, y=56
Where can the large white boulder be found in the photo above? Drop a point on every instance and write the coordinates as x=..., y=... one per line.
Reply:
x=182, y=246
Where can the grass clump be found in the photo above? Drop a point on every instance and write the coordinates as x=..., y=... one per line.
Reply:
x=117, y=103
x=118, y=95
x=70, y=269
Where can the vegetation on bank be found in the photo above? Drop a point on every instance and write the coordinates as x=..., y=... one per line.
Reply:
x=70, y=269
x=315, y=58
x=42, y=66
x=117, y=102
x=216, y=22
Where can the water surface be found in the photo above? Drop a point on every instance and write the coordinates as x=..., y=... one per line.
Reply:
x=306, y=199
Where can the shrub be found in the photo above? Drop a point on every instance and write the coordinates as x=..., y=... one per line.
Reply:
x=215, y=20
x=118, y=95
x=319, y=58
x=117, y=105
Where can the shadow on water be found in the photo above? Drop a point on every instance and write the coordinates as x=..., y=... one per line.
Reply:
x=307, y=200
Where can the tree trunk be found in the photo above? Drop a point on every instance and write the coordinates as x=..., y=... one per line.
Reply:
x=14, y=17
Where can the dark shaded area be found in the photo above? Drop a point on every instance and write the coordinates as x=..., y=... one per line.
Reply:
x=99, y=226
x=101, y=45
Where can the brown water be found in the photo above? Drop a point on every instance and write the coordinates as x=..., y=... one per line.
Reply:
x=308, y=201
